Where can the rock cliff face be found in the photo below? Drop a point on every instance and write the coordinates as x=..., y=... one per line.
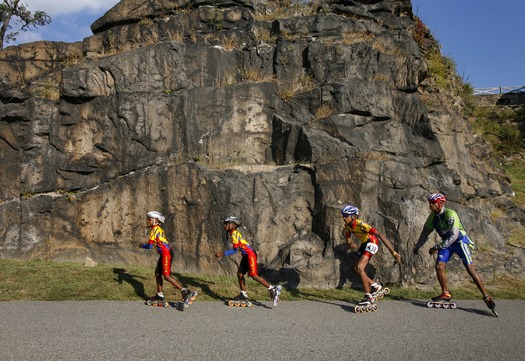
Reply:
x=203, y=109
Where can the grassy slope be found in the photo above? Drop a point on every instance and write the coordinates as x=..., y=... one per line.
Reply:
x=47, y=281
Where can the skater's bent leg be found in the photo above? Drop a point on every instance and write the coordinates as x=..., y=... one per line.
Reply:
x=360, y=270
x=261, y=280
x=174, y=282
x=476, y=278
x=442, y=278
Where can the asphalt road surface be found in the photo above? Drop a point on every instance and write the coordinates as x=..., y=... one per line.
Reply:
x=300, y=330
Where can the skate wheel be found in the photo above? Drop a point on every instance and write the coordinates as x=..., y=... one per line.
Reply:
x=243, y=304
x=230, y=303
x=453, y=305
x=380, y=295
x=386, y=291
x=237, y=304
x=148, y=302
x=369, y=309
x=438, y=305
x=374, y=308
x=446, y=305
x=357, y=309
x=430, y=304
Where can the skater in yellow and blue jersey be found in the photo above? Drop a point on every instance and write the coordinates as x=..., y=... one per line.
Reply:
x=157, y=239
x=454, y=239
x=248, y=262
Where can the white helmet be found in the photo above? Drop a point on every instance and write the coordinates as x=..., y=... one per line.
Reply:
x=232, y=219
x=156, y=215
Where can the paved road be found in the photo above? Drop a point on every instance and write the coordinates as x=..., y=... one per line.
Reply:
x=306, y=330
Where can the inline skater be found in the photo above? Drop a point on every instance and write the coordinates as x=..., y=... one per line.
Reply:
x=248, y=262
x=157, y=238
x=447, y=224
x=369, y=238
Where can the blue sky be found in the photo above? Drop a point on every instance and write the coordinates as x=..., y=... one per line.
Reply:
x=70, y=19
x=484, y=38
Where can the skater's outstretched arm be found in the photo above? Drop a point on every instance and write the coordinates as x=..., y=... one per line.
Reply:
x=388, y=245
x=226, y=253
x=423, y=237
x=146, y=245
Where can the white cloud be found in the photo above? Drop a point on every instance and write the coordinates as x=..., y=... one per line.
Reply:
x=64, y=7
x=70, y=19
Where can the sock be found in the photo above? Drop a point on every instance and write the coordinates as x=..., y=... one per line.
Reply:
x=244, y=293
x=160, y=294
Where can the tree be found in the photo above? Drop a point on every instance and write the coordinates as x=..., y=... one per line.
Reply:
x=13, y=13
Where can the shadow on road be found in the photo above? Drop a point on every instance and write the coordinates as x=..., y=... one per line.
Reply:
x=192, y=281
x=477, y=311
x=260, y=304
x=420, y=303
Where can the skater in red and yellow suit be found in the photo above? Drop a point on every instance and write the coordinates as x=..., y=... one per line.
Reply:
x=249, y=258
x=157, y=239
x=368, y=236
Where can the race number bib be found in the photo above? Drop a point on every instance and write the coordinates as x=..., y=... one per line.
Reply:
x=371, y=247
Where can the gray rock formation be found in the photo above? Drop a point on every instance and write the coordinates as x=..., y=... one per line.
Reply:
x=202, y=109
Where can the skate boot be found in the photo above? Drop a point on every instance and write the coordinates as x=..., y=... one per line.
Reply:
x=241, y=300
x=157, y=300
x=275, y=292
x=376, y=288
x=367, y=304
x=443, y=300
x=184, y=292
x=188, y=297
x=378, y=291
x=445, y=296
x=490, y=304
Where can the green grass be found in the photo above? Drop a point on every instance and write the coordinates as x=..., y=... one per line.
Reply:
x=516, y=172
x=57, y=281
x=501, y=127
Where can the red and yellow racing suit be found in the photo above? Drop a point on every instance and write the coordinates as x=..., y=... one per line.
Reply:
x=249, y=256
x=157, y=238
x=366, y=234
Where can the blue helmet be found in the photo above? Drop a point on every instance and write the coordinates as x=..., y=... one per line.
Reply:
x=437, y=198
x=349, y=210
